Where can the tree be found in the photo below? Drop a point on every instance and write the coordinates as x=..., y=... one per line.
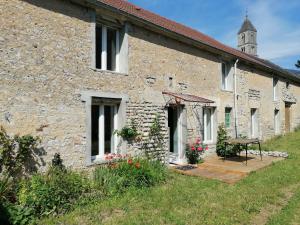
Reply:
x=298, y=64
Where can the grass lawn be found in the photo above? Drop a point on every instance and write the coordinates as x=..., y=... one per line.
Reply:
x=271, y=195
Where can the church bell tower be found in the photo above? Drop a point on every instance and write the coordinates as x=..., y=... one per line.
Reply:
x=247, y=36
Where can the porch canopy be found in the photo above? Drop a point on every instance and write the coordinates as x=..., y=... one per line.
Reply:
x=188, y=98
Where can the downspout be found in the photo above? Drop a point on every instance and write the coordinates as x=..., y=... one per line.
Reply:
x=235, y=99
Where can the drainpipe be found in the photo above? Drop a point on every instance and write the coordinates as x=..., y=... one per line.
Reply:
x=235, y=99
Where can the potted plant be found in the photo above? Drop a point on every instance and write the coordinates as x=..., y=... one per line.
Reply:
x=128, y=132
x=194, y=151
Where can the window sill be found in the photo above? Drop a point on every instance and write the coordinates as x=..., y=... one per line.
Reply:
x=109, y=71
x=208, y=142
x=229, y=91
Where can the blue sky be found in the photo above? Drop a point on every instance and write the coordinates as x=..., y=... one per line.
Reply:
x=277, y=22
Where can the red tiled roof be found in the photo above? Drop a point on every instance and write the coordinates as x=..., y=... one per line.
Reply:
x=180, y=29
x=188, y=98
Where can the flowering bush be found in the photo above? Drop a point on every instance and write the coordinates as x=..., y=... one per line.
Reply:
x=195, y=150
x=133, y=172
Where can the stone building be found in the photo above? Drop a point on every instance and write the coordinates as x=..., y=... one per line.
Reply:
x=73, y=71
x=247, y=38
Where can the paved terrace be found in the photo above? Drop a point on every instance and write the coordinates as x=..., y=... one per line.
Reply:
x=231, y=170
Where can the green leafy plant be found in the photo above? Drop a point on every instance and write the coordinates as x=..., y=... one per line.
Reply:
x=52, y=193
x=57, y=162
x=154, y=145
x=17, y=154
x=137, y=173
x=128, y=132
x=221, y=138
x=194, y=151
x=230, y=150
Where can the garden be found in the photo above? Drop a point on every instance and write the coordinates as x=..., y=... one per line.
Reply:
x=27, y=195
x=141, y=190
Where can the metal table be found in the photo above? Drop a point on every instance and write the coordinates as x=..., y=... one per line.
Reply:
x=244, y=142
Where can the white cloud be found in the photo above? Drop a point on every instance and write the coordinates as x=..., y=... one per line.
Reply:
x=278, y=37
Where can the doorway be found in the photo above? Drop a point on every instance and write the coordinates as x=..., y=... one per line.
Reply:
x=287, y=117
x=175, y=133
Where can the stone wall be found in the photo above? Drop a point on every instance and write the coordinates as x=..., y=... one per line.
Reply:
x=46, y=51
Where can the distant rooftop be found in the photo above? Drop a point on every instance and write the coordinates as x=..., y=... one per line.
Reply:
x=297, y=72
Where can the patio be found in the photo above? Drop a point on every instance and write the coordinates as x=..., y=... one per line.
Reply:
x=231, y=170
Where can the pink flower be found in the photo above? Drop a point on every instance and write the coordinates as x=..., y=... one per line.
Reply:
x=193, y=148
x=200, y=149
x=206, y=148
x=198, y=141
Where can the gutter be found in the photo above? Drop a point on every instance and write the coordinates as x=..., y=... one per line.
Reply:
x=235, y=99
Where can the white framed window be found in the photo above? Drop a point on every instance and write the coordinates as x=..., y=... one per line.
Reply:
x=226, y=76
x=276, y=121
x=104, y=121
x=275, y=89
x=107, y=48
x=208, y=124
x=254, y=123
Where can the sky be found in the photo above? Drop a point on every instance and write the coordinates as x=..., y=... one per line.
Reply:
x=277, y=22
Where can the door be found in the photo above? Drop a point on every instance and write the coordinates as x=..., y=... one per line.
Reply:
x=208, y=124
x=175, y=134
x=287, y=117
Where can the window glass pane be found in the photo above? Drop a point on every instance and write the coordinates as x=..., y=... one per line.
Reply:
x=254, y=123
x=95, y=130
x=208, y=125
x=98, y=46
x=227, y=117
x=276, y=121
x=223, y=75
x=111, y=49
x=108, y=128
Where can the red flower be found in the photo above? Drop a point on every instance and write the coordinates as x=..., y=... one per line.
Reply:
x=206, y=148
x=137, y=165
x=129, y=161
x=200, y=149
x=193, y=148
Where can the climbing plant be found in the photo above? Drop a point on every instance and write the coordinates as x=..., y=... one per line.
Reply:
x=154, y=146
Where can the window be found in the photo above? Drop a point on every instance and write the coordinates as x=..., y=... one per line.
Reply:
x=104, y=120
x=243, y=38
x=226, y=76
x=227, y=117
x=275, y=89
x=254, y=123
x=107, y=48
x=276, y=121
x=208, y=124
x=243, y=49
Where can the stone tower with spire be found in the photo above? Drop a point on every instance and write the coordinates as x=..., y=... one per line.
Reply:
x=247, y=36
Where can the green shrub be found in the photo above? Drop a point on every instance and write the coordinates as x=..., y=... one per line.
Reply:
x=137, y=173
x=57, y=162
x=52, y=193
x=231, y=150
x=17, y=154
x=221, y=138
